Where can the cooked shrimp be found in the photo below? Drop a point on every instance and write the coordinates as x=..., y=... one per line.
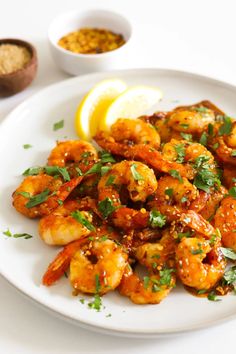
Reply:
x=199, y=265
x=97, y=267
x=173, y=196
x=61, y=227
x=151, y=290
x=226, y=146
x=149, y=155
x=73, y=151
x=47, y=190
x=61, y=263
x=193, y=121
x=197, y=223
x=225, y=221
x=157, y=254
x=134, y=131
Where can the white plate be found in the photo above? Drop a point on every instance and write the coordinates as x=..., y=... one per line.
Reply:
x=23, y=262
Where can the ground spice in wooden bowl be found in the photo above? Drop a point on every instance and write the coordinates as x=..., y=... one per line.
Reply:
x=12, y=58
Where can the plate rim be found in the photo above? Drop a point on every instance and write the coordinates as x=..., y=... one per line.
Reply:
x=138, y=333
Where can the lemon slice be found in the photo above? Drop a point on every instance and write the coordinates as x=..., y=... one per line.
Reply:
x=132, y=103
x=94, y=105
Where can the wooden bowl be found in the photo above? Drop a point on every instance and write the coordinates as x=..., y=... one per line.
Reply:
x=18, y=80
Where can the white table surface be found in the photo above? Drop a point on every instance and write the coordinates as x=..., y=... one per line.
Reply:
x=191, y=35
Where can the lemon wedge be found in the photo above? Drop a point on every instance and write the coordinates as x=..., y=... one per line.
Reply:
x=94, y=105
x=132, y=103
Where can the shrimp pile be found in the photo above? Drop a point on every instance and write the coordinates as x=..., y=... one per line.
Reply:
x=153, y=206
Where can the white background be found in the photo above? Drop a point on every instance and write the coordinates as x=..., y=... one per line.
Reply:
x=191, y=35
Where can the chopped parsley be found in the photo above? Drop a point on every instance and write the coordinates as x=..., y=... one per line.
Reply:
x=110, y=180
x=203, y=139
x=212, y=296
x=106, y=207
x=23, y=235
x=185, y=126
x=230, y=276
x=184, y=199
x=180, y=235
x=38, y=199
x=169, y=192
x=32, y=171
x=186, y=136
x=96, y=168
x=176, y=174
x=228, y=253
x=180, y=150
x=215, y=146
x=27, y=146
x=78, y=216
x=232, y=192
x=58, y=125
x=146, y=281
x=105, y=169
x=96, y=304
x=201, y=109
x=106, y=157
x=55, y=170
x=226, y=127
x=24, y=194
x=210, y=129
x=156, y=219
x=137, y=176
x=199, y=251
x=233, y=153
x=79, y=172
x=165, y=276
x=205, y=177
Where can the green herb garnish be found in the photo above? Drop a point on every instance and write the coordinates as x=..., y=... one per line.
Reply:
x=27, y=146
x=32, y=171
x=38, y=199
x=55, y=170
x=180, y=150
x=156, y=219
x=96, y=304
x=228, y=253
x=233, y=153
x=96, y=168
x=169, y=192
x=106, y=207
x=106, y=157
x=232, y=192
x=212, y=296
x=110, y=180
x=135, y=173
x=203, y=139
x=146, y=281
x=176, y=174
x=58, y=125
x=226, y=127
x=23, y=235
x=186, y=136
x=78, y=216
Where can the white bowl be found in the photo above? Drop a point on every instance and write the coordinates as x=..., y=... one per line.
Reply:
x=77, y=64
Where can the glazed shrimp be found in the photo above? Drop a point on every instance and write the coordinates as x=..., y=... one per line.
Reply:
x=199, y=265
x=151, y=290
x=156, y=255
x=140, y=182
x=61, y=263
x=146, y=153
x=172, y=196
x=97, y=267
x=226, y=145
x=134, y=131
x=193, y=121
x=51, y=190
x=197, y=223
x=225, y=221
x=61, y=227
x=73, y=151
